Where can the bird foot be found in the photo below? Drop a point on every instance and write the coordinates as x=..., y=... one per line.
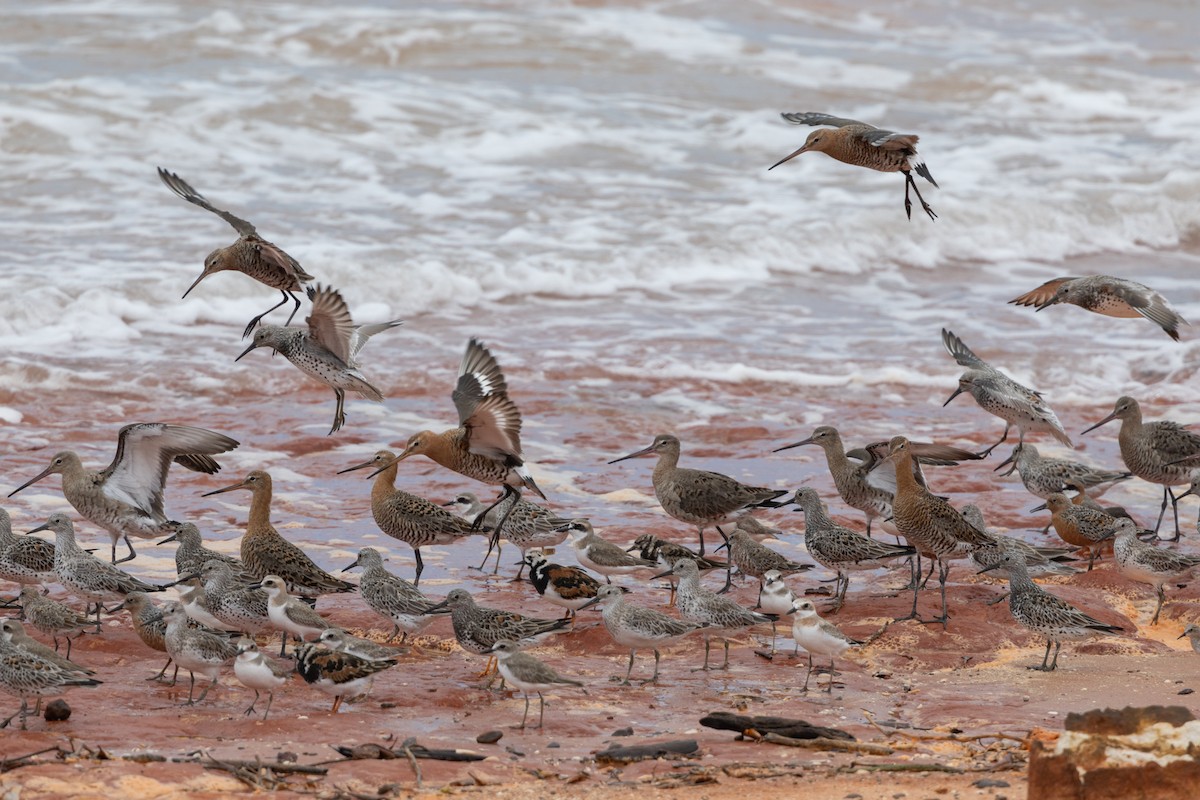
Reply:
x=765, y=654
x=1041, y=668
x=942, y=620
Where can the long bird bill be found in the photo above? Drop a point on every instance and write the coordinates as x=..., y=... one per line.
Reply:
x=196, y=282
x=364, y=465
x=238, y=485
x=789, y=157
x=645, y=451
x=1104, y=421
x=1012, y=459
x=386, y=466
x=800, y=443
x=47, y=471
x=43, y=527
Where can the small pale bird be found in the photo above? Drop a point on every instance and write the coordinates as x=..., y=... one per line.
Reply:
x=863, y=145
x=1104, y=294
x=258, y=672
x=528, y=674
x=818, y=637
x=328, y=350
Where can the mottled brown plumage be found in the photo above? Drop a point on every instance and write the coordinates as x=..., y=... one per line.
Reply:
x=1104, y=294
x=698, y=497
x=264, y=552
x=406, y=517
x=930, y=524
x=250, y=255
x=1162, y=452
x=862, y=145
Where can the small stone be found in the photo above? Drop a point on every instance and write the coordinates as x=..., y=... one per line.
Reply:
x=990, y=783
x=489, y=737
x=57, y=711
x=623, y=732
x=515, y=752
x=387, y=704
x=554, y=745
x=854, y=797
x=1186, y=691
x=286, y=757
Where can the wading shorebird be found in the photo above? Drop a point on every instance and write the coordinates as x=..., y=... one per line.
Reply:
x=1000, y=395
x=1044, y=476
x=391, y=597
x=340, y=675
x=1112, y=297
x=638, y=627
x=528, y=674
x=838, y=548
x=526, y=524
x=265, y=552
x=25, y=560
x=196, y=649
x=406, y=517
x=1043, y=613
x=486, y=445
x=1079, y=525
x=818, y=637
x=931, y=525
x=191, y=554
x=1145, y=563
x=126, y=497
x=698, y=497
x=328, y=350
x=24, y=675
x=84, y=575
x=477, y=628
x=250, y=255
x=862, y=145
x=1159, y=452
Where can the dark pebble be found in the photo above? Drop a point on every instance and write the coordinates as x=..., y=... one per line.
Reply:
x=286, y=757
x=1186, y=691
x=854, y=797
x=553, y=744
x=489, y=737
x=387, y=704
x=623, y=732
x=515, y=752
x=57, y=711
x=990, y=783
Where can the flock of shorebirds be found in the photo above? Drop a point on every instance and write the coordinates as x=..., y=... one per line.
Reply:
x=273, y=586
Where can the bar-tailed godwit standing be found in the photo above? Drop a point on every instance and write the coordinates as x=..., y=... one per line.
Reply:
x=250, y=255
x=862, y=145
x=698, y=497
x=406, y=517
x=126, y=497
x=1158, y=452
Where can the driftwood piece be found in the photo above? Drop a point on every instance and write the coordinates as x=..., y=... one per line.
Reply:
x=822, y=743
x=644, y=752
x=791, y=728
x=409, y=751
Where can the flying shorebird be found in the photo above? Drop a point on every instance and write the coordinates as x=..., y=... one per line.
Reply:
x=998, y=394
x=126, y=497
x=863, y=145
x=486, y=445
x=1104, y=294
x=328, y=350
x=250, y=255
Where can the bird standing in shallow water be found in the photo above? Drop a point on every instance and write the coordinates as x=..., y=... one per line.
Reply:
x=698, y=497
x=863, y=145
x=486, y=445
x=1112, y=297
x=328, y=350
x=998, y=394
x=406, y=517
x=250, y=255
x=1161, y=452
x=126, y=497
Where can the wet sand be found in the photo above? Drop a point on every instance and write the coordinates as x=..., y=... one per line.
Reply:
x=580, y=414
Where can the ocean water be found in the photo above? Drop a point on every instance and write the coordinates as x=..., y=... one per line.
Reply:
x=585, y=187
